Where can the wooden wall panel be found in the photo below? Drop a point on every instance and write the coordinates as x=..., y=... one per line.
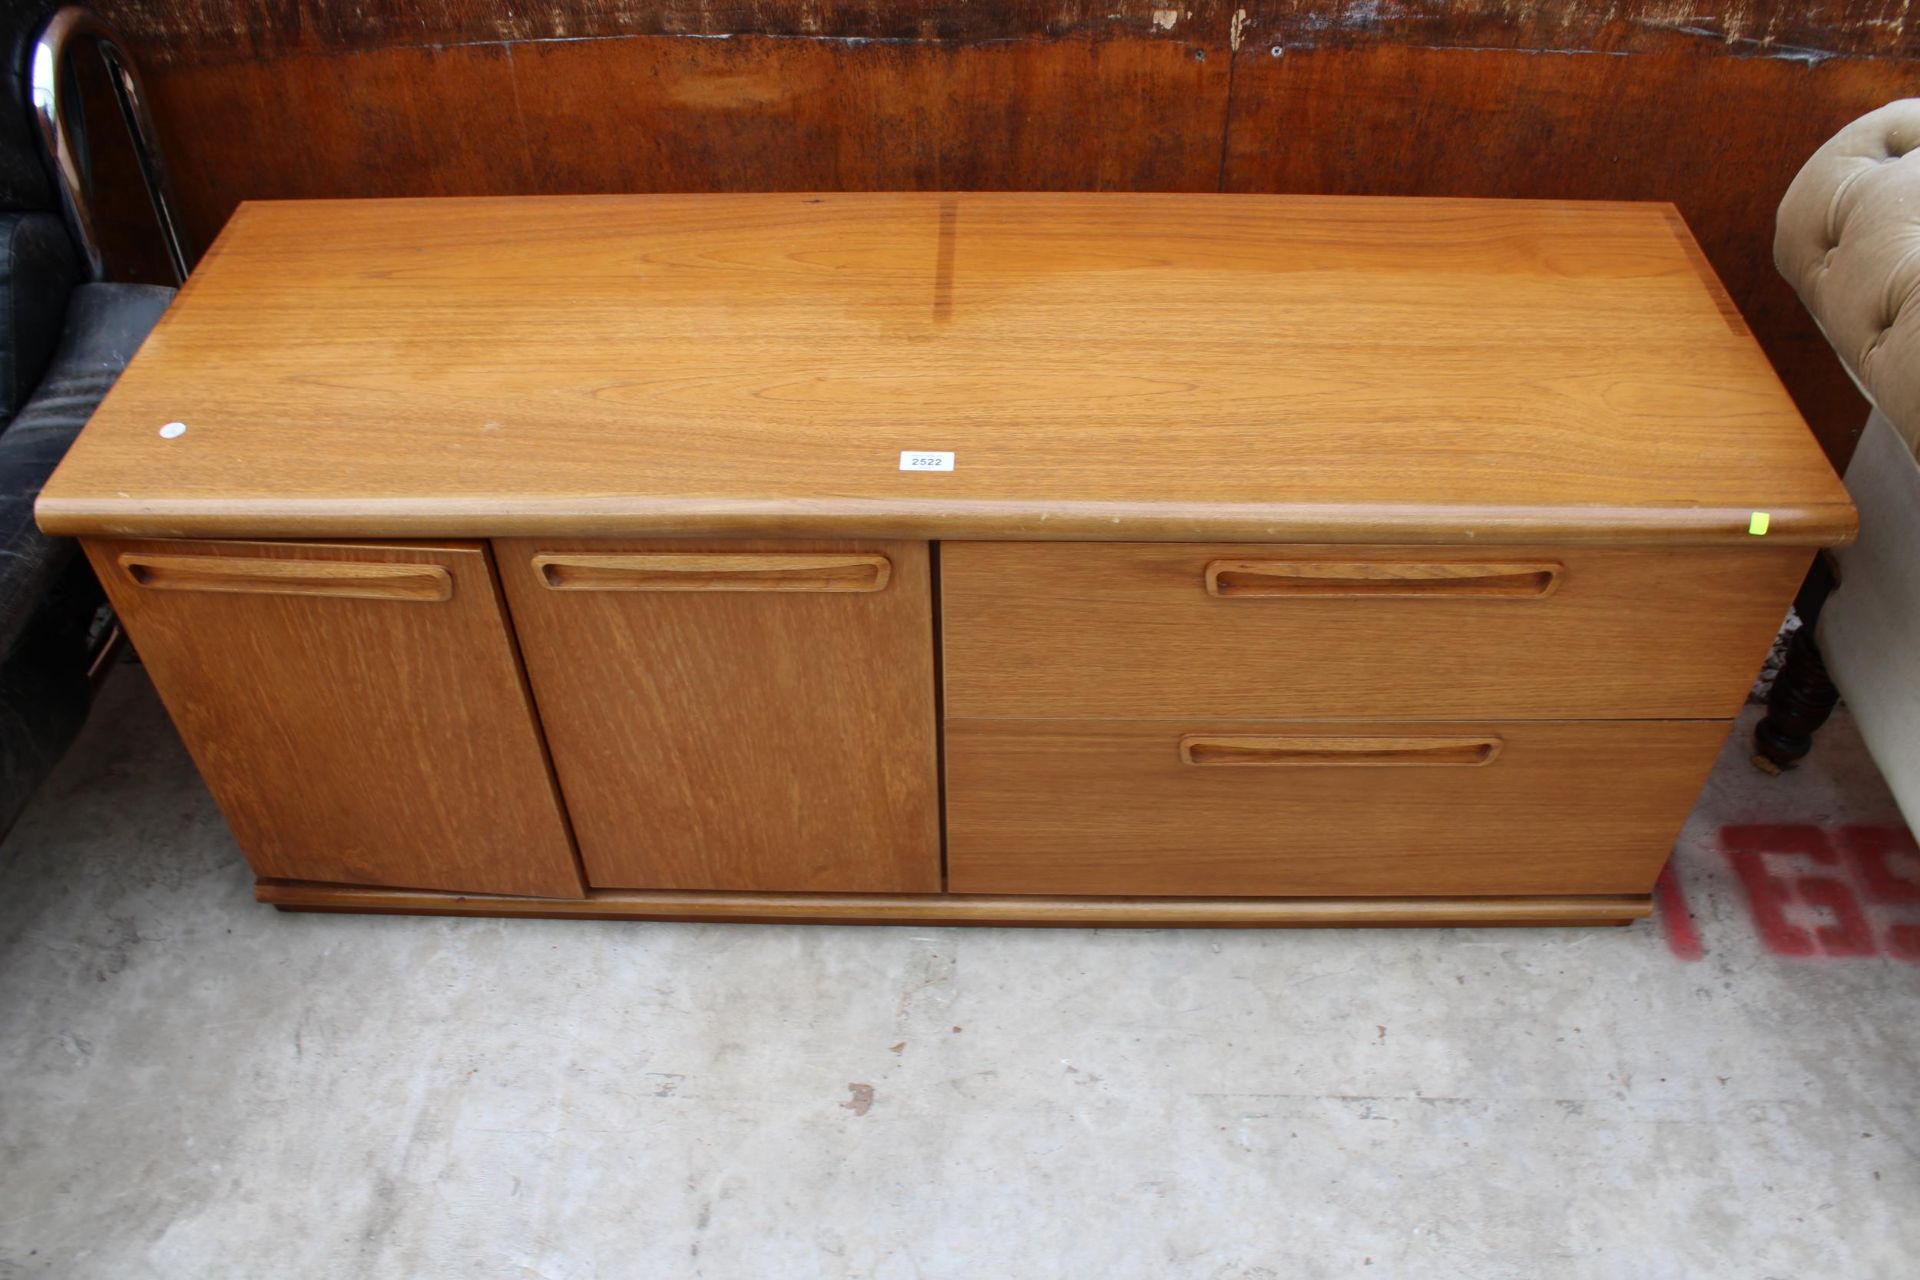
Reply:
x=192, y=30
x=653, y=114
x=1712, y=105
x=775, y=114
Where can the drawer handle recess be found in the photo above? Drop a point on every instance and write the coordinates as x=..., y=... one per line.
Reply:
x=700, y=571
x=1212, y=749
x=358, y=580
x=1261, y=579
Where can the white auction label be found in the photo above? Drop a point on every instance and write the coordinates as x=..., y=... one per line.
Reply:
x=925, y=460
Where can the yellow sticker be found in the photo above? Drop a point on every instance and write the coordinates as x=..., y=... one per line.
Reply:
x=1758, y=524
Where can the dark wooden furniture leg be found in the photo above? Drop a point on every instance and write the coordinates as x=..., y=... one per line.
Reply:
x=1803, y=695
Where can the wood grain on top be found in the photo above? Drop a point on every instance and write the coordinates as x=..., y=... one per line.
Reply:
x=1156, y=367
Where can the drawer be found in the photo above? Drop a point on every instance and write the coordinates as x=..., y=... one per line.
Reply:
x=1303, y=632
x=1257, y=808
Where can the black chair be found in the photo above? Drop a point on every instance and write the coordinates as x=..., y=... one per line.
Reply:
x=65, y=335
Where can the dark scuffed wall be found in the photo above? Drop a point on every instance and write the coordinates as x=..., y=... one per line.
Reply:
x=194, y=29
x=1711, y=105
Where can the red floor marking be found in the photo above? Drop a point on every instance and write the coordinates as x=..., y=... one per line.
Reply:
x=1878, y=856
x=1886, y=862
x=1768, y=896
x=1849, y=934
x=1848, y=891
x=1676, y=920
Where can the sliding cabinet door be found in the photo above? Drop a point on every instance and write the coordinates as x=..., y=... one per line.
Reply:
x=358, y=711
x=737, y=715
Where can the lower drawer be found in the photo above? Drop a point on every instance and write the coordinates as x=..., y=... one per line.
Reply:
x=1261, y=808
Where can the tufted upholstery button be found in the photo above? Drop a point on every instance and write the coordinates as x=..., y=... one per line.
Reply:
x=1848, y=240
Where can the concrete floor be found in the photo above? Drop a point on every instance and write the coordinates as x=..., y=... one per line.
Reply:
x=194, y=1086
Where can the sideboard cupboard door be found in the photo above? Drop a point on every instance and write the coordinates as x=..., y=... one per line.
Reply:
x=356, y=710
x=737, y=715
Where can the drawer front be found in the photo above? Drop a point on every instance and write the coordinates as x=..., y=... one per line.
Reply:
x=1144, y=630
x=357, y=711
x=737, y=715
x=1258, y=808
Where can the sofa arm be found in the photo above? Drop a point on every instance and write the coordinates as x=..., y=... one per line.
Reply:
x=1848, y=240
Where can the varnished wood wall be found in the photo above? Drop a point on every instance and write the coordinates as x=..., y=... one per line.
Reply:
x=1712, y=104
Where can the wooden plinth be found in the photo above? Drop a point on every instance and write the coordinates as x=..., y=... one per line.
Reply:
x=972, y=909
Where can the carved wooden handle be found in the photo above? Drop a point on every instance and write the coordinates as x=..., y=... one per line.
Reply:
x=1237, y=749
x=703, y=571
x=1257, y=579
x=359, y=580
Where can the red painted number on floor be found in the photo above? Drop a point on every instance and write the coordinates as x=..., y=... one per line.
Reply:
x=1828, y=891
x=1676, y=918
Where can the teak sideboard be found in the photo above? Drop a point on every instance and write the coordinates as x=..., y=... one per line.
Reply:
x=1051, y=559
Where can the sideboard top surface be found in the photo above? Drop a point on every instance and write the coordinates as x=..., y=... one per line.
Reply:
x=1180, y=367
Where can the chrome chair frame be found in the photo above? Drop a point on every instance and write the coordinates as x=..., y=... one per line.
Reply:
x=51, y=58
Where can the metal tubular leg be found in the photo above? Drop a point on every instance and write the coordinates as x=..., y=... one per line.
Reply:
x=50, y=59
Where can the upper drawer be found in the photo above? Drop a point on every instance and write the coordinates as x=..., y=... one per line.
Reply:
x=1253, y=630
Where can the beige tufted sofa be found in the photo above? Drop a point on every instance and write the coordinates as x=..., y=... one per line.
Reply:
x=1848, y=239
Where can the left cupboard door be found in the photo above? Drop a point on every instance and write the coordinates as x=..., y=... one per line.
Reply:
x=358, y=711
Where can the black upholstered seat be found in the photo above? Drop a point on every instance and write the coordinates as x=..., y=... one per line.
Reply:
x=62, y=343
